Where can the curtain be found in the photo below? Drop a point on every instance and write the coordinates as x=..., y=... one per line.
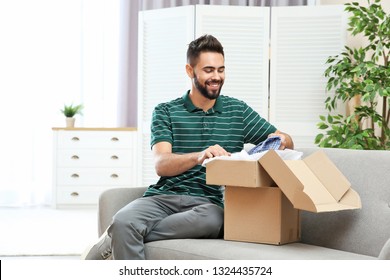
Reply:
x=150, y=4
x=38, y=54
x=52, y=52
x=128, y=90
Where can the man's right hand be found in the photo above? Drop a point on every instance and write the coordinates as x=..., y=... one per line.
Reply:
x=171, y=164
x=212, y=151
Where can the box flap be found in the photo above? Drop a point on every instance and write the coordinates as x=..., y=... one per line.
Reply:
x=313, y=187
x=306, y=183
x=326, y=171
x=286, y=181
x=240, y=173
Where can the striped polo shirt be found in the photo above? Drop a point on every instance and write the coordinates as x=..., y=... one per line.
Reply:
x=230, y=123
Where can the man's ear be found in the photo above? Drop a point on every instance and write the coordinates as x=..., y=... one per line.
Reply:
x=190, y=71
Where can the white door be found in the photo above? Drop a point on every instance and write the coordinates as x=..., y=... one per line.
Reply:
x=302, y=38
x=164, y=35
x=291, y=97
x=244, y=34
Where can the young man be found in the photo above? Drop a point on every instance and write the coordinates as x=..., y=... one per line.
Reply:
x=199, y=125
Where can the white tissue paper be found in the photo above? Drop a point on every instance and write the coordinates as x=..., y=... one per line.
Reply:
x=285, y=154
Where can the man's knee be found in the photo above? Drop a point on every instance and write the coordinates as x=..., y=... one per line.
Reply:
x=209, y=210
x=122, y=223
x=211, y=219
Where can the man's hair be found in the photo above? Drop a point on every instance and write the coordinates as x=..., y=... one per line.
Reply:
x=205, y=43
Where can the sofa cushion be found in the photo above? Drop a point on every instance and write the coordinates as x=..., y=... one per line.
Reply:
x=385, y=253
x=219, y=249
x=362, y=231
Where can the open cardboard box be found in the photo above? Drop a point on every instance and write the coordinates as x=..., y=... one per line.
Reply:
x=262, y=197
x=313, y=184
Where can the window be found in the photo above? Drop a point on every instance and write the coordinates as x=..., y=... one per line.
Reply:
x=52, y=52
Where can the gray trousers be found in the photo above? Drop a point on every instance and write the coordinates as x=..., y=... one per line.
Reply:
x=162, y=217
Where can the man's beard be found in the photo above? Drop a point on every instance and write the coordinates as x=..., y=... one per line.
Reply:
x=203, y=90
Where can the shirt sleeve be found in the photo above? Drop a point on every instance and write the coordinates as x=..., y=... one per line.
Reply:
x=256, y=128
x=161, y=128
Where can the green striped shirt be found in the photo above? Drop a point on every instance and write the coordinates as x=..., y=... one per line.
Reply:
x=230, y=123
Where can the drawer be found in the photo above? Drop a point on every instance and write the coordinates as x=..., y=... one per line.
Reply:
x=79, y=195
x=95, y=176
x=96, y=139
x=95, y=158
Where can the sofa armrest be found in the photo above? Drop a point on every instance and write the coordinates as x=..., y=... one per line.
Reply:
x=385, y=252
x=111, y=201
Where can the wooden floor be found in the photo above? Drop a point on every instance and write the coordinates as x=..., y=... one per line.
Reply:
x=16, y=258
x=46, y=233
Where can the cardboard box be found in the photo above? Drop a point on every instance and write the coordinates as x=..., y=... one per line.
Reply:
x=239, y=173
x=313, y=184
x=262, y=197
x=256, y=210
x=261, y=215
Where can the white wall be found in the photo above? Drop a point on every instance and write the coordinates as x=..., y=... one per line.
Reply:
x=355, y=41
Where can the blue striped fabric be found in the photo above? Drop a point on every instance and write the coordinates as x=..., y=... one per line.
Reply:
x=271, y=143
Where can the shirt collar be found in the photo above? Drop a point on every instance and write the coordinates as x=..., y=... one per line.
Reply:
x=218, y=106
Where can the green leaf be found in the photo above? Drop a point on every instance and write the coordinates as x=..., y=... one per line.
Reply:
x=322, y=126
x=318, y=138
x=71, y=110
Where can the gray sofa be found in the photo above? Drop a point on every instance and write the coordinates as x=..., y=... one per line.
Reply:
x=350, y=234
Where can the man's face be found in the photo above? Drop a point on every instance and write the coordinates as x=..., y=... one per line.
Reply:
x=209, y=74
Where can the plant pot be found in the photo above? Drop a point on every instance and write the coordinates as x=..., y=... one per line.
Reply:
x=70, y=122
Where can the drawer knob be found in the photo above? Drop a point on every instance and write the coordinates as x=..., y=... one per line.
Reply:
x=75, y=157
x=75, y=139
x=115, y=139
x=114, y=175
x=75, y=175
x=114, y=157
x=74, y=194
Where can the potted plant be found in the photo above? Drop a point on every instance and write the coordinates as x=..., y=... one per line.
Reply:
x=70, y=111
x=361, y=75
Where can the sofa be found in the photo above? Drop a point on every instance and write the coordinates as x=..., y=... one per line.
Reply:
x=361, y=234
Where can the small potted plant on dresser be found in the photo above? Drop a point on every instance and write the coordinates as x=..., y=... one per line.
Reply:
x=70, y=111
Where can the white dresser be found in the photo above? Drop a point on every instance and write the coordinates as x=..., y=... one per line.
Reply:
x=87, y=161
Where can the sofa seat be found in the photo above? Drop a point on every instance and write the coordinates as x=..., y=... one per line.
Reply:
x=219, y=249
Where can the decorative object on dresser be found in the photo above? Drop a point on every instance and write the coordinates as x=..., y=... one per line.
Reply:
x=70, y=111
x=87, y=161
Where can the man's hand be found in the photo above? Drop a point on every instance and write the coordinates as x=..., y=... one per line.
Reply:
x=170, y=164
x=286, y=141
x=212, y=151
